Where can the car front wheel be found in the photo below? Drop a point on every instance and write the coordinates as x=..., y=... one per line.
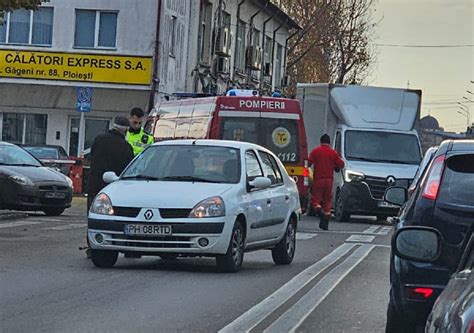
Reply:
x=284, y=252
x=231, y=262
x=341, y=213
x=104, y=258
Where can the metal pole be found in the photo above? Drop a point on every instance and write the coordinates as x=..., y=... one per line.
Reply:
x=80, y=145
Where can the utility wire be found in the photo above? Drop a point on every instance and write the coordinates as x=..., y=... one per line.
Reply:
x=425, y=46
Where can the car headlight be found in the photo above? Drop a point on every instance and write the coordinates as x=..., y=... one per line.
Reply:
x=353, y=176
x=211, y=207
x=69, y=181
x=22, y=180
x=102, y=205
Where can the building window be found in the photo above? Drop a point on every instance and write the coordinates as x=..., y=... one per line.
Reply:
x=28, y=27
x=21, y=128
x=204, y=37
x=95, y=29
x=278, y=65
x=240, y=49
x=174, y=21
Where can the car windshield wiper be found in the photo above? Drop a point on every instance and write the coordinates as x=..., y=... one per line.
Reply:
x=364, y=159
x=21, y=164
x=140, y=177
x=400, y=162
x=189, y=179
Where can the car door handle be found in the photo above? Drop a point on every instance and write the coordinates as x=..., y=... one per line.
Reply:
x=269, y=201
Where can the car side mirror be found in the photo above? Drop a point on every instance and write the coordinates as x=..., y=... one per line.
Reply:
x=109, y=177
x=421, y=244
x=396, y=195
x=260, y=183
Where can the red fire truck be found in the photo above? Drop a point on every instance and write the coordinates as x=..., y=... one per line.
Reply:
x=274, y=123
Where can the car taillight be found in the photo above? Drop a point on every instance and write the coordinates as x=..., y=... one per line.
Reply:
x=470, y=328
x=419, y=293
x=306, y=173
x=431, y=186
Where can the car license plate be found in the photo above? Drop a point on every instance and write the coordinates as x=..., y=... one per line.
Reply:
x=55, y=195
x=384, y=204
x=147, y=230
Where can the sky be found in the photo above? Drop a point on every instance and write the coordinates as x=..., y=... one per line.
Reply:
x=442, y=73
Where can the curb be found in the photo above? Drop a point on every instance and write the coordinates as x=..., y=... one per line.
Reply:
x=12, y=215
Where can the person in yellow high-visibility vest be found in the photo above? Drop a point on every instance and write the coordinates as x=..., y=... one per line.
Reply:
x=136, y=136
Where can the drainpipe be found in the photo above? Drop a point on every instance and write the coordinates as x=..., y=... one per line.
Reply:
x=155, y=79
x=263, y=48
x=237, y=35
x=273, y=50
x=249, y=71
x=286, y=51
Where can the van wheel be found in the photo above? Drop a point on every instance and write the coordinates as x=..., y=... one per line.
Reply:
x=341, y=213
x=284, y=252
x=231, y=262
x=104, y=258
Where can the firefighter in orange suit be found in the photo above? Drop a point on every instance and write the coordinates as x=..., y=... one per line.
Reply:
x=325, y=161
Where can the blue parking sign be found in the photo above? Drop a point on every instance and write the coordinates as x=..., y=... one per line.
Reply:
x=84, y=99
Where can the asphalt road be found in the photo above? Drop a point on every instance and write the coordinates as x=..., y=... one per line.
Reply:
x=338, y=282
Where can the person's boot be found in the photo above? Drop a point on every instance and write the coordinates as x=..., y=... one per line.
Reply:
x=324, y=222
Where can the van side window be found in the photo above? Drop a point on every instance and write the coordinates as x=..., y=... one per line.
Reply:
x=268, y=167
x=337, y=144
x=252, y=165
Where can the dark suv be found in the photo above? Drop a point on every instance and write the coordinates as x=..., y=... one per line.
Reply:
x=443, y=199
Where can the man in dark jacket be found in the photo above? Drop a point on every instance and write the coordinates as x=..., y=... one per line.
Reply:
x=109, y=152
x=325, y=160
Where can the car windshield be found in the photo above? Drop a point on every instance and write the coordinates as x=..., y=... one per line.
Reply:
x=374, y=146
x=12, y=155
x=43, y=152
x=209, y=164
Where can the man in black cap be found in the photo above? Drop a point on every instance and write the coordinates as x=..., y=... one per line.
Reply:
x=109, y=152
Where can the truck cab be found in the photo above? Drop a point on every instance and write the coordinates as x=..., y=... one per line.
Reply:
x=373, y=129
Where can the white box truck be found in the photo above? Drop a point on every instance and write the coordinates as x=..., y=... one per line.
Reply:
x=373, y=129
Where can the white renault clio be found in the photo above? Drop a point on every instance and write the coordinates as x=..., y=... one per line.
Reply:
x=197, y=198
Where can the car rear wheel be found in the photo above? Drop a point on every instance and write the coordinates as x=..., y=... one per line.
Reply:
x=341, y=213
x=231, y=262
x=53, y=211
x=397, y=323
x=284, y=252
x=104, y=258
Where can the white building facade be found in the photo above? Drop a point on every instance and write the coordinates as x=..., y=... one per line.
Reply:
x=111, y=48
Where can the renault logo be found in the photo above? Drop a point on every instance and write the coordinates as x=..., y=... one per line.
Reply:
x=391, y=180
x=148, y=214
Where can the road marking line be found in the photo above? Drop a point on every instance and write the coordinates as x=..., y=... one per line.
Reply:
x=262, y=310
x=370, y=230
x=67, y=226
x=305, y=235
x=296, y=315
x=360, y=238
x=384, y=231
x=17, y=224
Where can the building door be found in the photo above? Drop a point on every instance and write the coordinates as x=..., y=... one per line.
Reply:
x=92, y=128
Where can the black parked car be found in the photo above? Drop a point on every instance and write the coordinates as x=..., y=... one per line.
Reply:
x=443, y=199
x=25, y=184
x=453, y=310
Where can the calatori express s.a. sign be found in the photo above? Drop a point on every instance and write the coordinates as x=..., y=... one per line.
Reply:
x=75, y=67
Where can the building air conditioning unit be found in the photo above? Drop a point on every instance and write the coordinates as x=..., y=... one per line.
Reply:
x=254, y=57
x=223, y=65
x=267, y=69
x=285, y=81
x=223, y=42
